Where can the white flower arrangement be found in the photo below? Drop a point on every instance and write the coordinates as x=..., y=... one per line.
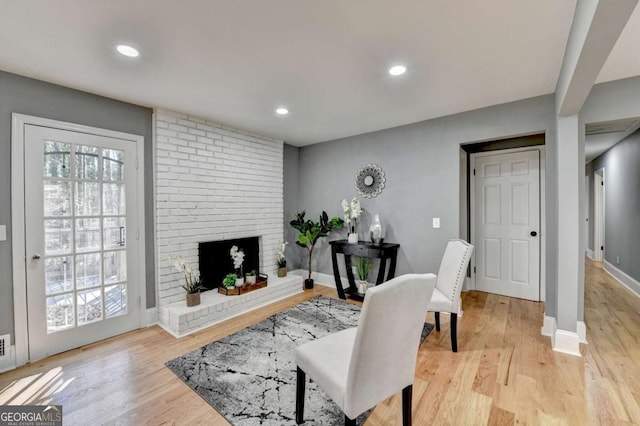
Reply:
x=352, y=212
x=238, y=257
x=191, y=276
x=282, y=260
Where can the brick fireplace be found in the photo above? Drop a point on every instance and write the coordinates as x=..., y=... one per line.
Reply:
x=213, y=183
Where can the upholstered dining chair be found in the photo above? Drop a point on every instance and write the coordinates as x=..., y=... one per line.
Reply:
x=361, y=366
x=446, y=296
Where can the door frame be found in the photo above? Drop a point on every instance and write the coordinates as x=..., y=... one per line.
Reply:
x=18, y=242
x=587, y=223
x=542, y=205
x=598, y=211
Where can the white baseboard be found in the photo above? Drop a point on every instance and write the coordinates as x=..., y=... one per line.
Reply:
x=320, y=278
x=622, y=277
x=566, y=342
x=582, y=332
x=8, y=362
x=590, y=254
x=548, y=326
x=150, y=317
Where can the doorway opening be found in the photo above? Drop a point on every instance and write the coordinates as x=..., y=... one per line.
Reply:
x=505, y=208
x=598, y=226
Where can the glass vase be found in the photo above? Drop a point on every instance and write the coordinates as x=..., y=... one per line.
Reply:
x=376, y=233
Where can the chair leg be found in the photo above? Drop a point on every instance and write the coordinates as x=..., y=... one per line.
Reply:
x=348, y=421
x=300, y=385
x=454, y=332
x=437, y=321
x=406, y=405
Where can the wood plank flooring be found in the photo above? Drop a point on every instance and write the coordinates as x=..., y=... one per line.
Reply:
x=504, y=373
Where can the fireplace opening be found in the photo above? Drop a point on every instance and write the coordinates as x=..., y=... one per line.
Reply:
x=215, y=260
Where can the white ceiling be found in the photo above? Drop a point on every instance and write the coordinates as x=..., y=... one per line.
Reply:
x=234, y=62
x=602, y=136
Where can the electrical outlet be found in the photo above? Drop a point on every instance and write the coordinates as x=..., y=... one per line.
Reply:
x=617, y=260
x=436, y=222
x=3, y=233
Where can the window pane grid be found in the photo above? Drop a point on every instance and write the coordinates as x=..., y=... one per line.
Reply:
x=85, y=254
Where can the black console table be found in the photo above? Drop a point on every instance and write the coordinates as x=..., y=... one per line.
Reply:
x=362, y=249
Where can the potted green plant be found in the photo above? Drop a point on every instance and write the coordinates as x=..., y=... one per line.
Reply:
x=363, y=267
x=229, y=281
x=192, y=284
x=311, y=232
x=282, y=261
x=250, y=277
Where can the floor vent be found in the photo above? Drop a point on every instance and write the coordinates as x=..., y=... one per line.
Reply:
x=4, y=346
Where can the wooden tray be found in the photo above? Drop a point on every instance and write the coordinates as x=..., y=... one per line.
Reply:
x=261, y=282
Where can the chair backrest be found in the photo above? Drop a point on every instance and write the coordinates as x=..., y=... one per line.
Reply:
x=383, y=360
x=453, y=268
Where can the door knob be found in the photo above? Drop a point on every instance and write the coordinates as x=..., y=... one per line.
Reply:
x=534, y=233
x=35, y=257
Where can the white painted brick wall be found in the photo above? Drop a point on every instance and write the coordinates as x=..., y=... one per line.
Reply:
x=213, y=183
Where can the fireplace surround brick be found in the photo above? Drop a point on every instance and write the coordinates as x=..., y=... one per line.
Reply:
x=212, y=183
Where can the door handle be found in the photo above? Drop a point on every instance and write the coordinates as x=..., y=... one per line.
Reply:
x=35, y=257
x=534, y=233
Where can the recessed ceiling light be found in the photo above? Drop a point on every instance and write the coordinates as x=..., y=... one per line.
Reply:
x=397, y=70
x=126, y=50
x=282, y=111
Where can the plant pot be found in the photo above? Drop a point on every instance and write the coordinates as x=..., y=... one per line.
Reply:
x=250, y=279
x=308, y=284
x=282, y=272
x=239, y=282
x=362, y=287
x=193, y=299
x=352, y=238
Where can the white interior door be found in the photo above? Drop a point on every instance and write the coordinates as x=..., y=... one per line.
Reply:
x=80, y=209
x=586, y=215
x=507, y=224
x=598, y=226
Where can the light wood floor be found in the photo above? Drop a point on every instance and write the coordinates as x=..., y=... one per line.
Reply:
x=504, y=372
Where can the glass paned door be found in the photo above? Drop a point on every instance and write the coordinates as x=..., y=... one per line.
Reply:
x=81, y=269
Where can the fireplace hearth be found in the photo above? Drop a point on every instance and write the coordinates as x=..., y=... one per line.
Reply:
x=215, y=261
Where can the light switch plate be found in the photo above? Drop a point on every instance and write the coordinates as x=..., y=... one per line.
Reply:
x=436, y=222
x=3, y=233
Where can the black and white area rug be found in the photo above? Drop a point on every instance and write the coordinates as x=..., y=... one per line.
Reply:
x=250, y=377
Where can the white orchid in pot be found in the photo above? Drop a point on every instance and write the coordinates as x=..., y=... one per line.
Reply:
x=237, y=255
x=352, y=212
x=192, y=284
x=282, y=260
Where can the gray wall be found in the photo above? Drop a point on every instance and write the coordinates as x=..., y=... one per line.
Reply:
x=622, y=203
x=422, y=165
x=295, y=259
x=32, y=97
x=610, y=101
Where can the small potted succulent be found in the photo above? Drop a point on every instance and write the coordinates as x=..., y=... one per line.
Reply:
x=229, y=281
x=250, y=277
x=282, y=260
x=192, y=284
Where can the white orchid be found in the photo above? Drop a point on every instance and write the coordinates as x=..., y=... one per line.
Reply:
x=191, y=276
x=345, y=205
x=352, y=212
x=281, y=250
x=356, y=208
x=282, y=261
x=238, y=257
